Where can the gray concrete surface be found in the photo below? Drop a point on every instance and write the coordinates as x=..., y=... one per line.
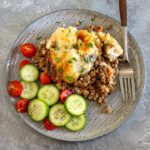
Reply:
x=15, y=15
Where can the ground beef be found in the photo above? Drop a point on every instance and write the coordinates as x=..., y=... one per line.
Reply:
x=41, y=56
x=95, y=85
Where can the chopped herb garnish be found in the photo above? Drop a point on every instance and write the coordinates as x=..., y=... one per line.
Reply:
x=72, y=59
x=75, y=46
x=57, y=59
x=86, y=59
x=93, y=19
x=82, y=70
x=96, y=42
x=39, y=37
x=69, y=61
x=69, y=78
x=107, y=44
x=67, y=35
x=56, y=48
x=90, y=45
x=60, y=70
x=78, y=23
x=89, y=31
x=58, y=22
x=69, y=31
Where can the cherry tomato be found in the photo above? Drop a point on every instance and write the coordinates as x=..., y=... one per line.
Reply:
x=23, y=62
x=48, y=125
x=44, y=78
x=15, y=88
x=28, y=50
x=64, y=94
x=22, y=105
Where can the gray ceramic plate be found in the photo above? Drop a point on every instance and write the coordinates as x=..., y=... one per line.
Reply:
x=97, y=124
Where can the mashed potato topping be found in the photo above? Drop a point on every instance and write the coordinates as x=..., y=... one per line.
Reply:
x=73, y=52
x=111, y=46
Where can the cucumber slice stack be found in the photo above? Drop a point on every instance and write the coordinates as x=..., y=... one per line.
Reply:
x=70, y=115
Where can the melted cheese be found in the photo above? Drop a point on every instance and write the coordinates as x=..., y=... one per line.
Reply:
x=68, y=62
x=73, y=52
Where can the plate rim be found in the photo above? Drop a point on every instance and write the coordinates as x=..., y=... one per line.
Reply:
x=130, y=113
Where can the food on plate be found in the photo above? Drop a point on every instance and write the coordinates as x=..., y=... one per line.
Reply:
x=15, y=88
x=29, y=73
x=38, y=110
x=23, y=62
x=83, y=60
x=44, y=78
x=76, y=123
x=112, y=49
x=48, y=125
x=28, y=50
x=30, y=90
x=22, y=105
x=49, y=94
x=58, y=115
x=64, y=94
x=67, y=68
x=73, y=52
x=75, y=104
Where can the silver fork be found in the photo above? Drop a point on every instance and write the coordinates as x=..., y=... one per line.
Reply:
x=126, y=73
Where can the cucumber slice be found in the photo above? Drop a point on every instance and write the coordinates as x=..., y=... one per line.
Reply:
x=49, y=94
x=58, y=115
x=30, y=90
x=29, y=73
x=75, y=104
x=38, y=110
x=76, y=123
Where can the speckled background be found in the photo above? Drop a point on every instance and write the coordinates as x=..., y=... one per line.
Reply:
x=15, y=15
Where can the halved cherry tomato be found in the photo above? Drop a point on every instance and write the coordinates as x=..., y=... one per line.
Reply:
x=45, y=78
x=28, y=50
x=23, y=62
x=48, y=125
x=64, y=94
x=15, y=88
x=22, y=105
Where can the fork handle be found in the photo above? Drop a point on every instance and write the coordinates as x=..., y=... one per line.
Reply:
x=123, y=17
x=123, y=12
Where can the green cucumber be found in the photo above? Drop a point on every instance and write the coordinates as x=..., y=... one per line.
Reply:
x=29, y=73
x=76, y=123
x=58, y=115
x=49, y=94
x=38, y=110
x=75, y=104
x=30, y=90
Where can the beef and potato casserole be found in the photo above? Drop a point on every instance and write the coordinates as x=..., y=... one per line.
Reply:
x=84, y=61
